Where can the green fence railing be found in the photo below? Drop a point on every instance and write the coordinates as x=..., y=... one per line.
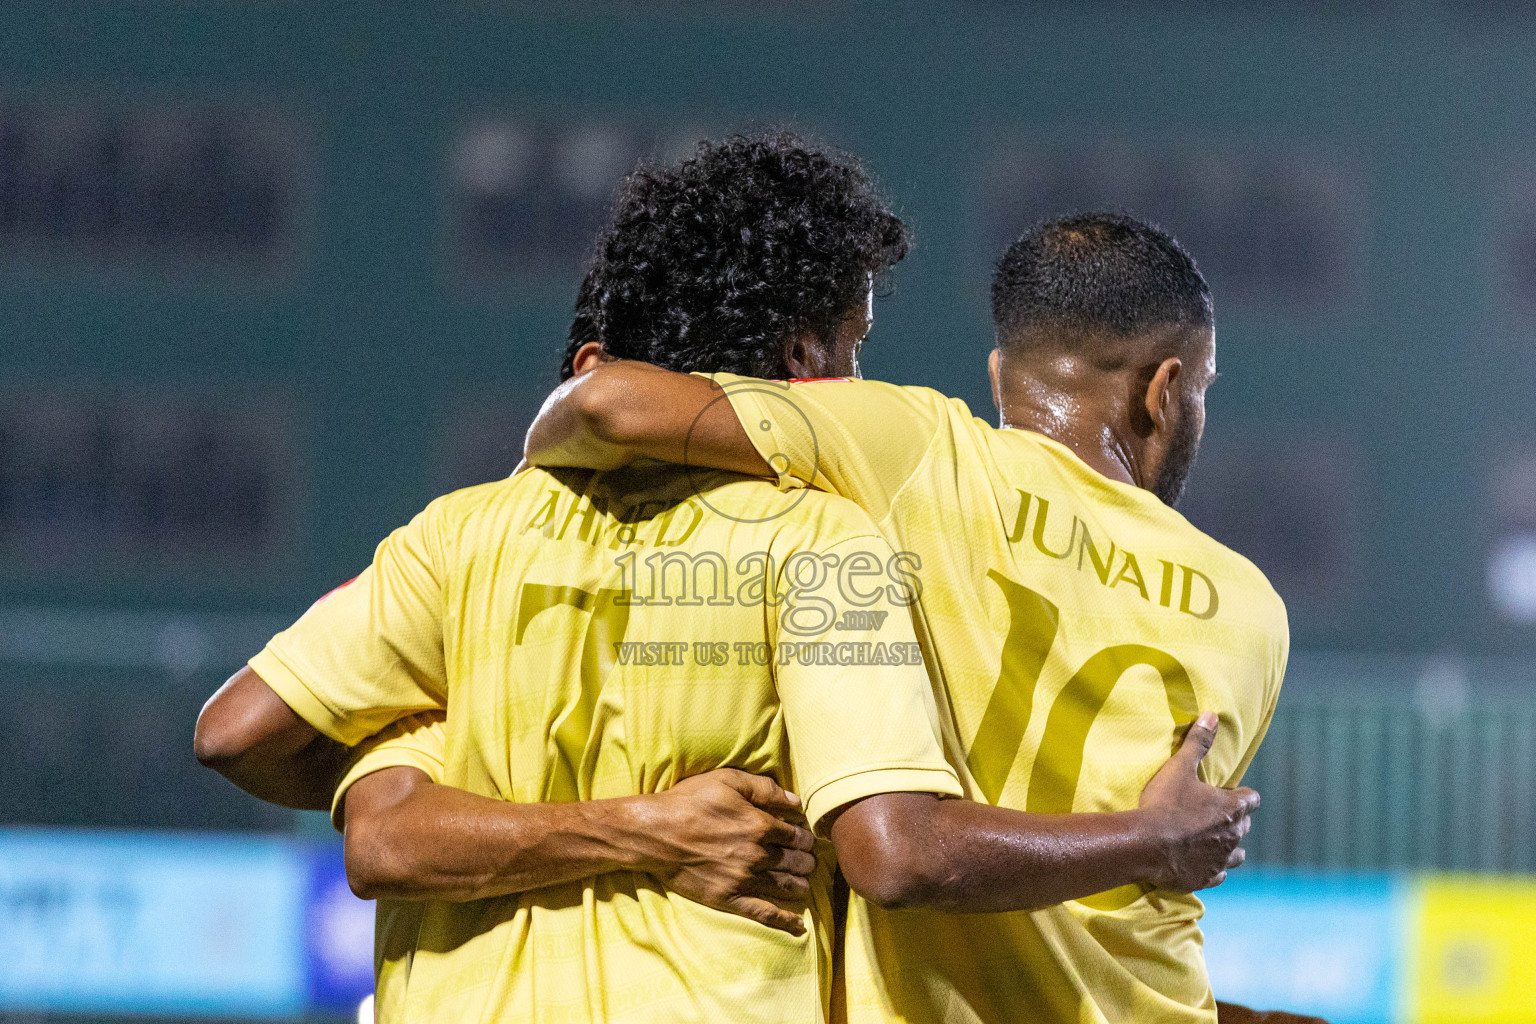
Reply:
x=1400, y=765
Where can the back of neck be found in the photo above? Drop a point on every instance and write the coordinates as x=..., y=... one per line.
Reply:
x=1082, y=425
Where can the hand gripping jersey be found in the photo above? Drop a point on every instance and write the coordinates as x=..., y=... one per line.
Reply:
x=1073, y=626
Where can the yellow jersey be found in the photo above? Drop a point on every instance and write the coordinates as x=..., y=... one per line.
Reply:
x=1073, y=626
x=603, y=635
x=419, y=741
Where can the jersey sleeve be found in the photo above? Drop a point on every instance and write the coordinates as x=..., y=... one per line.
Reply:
x=371, y=651
x=1280, y=650
x=415, y=742
x=858, y=705
x=862, y=439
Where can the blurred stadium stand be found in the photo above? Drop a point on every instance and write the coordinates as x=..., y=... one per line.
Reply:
x=273, y=277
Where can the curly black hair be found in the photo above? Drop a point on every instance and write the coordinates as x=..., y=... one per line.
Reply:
x=711, y=264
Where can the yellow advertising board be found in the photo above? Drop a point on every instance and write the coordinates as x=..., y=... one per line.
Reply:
x=1472, y=950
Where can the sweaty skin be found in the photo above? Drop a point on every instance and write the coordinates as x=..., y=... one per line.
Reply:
x=1133, y=409
x=915, y=850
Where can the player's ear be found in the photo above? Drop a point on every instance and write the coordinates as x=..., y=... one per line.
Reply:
x=589, y=356
x=803, y=356
x=1160, y=399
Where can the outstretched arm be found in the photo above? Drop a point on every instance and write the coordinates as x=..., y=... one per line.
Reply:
x=919, y=850
x=626, y=410
x=718, y=839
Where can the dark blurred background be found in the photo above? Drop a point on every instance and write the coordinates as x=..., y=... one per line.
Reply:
x=274, y=274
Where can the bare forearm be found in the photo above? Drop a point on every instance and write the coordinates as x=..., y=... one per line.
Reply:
x=999, y=860
x=913, y=849
x=444, y=843
x=719, y=839
x=626, y=410
x=910, y=850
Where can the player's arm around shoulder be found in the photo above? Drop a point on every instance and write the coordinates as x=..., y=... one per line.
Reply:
x=862, y=439
x=858, y=438
x=624, y=410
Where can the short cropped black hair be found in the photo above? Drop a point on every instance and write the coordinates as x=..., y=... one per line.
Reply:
x=711, y=264
x=1097, y=273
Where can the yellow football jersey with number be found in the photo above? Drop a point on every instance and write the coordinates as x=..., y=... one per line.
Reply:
x=1074, y=626
x=604, y=635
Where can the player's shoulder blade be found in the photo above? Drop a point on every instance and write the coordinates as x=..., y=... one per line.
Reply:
x=492, y=514
x=1229, y=576
x=1243, y=572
